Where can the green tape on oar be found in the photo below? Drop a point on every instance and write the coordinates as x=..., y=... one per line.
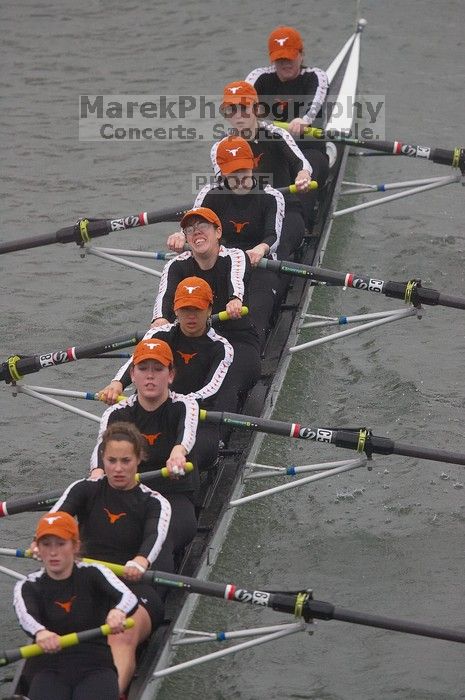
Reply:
x=67, y=640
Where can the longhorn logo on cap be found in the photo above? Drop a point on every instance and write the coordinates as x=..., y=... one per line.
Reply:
x=282, y=41
x=234, y=89
x=52, y=519
x=190, y=289
x=233, y=151
x=152, y=346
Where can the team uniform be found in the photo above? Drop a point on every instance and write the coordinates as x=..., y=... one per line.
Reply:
x=247, y=220
x=276, y=155
x=117, y=525
x=173, y=423
x=77, y=603
x=228, y=278
x=201, y=365
x=301, y=97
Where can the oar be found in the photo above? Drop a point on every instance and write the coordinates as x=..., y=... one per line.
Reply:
x=299, y=604
x=361, y=439
x=455, y=157
x=411, y=291
x=14, y=369
x=44, y=501
x=9, y=656
x=86, y=229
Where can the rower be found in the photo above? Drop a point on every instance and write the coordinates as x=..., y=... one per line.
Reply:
x=293, y=92
x=127, y=523
x=276, y=157
x=202, y=359
x=227, y=271
x=169, y=423
x=251, y=219
x=69, y=596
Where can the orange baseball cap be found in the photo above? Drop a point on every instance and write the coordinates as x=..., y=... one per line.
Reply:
x=153, y=349
x=60, y=524
x=239, y=93
x=193, y=291
x=234, y=153
x=204, y=213
x=284, y=42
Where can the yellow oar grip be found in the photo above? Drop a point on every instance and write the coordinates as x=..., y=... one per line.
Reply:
x=224, y=316
x=117, y=569
x=312, y=185
x=188, y=468
x=308, y=130
x=68, y=640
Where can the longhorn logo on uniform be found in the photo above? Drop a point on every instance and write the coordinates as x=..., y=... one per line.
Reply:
x=191, y=290
x=257, y=159
x=186, y=356
x=113, y=517
x=66, y=605
x=282, y=41
x=239, y=225
x=151, y=439
x=233, y=151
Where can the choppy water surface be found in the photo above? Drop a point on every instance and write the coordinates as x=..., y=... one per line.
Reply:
x=385, y=541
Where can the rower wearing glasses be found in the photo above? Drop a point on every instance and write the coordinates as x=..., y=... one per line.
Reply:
x=277, y=158
x=251, y=219
x=227, y=271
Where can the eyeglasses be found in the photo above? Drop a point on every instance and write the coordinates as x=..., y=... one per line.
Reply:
x=202, y=226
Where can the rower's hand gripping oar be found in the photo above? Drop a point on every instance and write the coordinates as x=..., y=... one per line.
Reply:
x=14, y=369
x=45, y=501
x=300, y=604
x=361, y=440
x=28, y=651
x=454, y=158
x=410, y=292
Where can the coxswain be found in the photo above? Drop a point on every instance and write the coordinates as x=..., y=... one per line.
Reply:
x=295, y=93
x=251, y=219
x=169, y=422
x=277, y=159
x=67, y=596
x=227, y=271
x=202, y=359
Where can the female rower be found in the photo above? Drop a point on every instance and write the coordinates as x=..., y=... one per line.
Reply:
x=227, y=271
x=201, y=359
x=168, y=421
x=127, y=523
x=276, y=158
x=251, y=219
x=69, y=596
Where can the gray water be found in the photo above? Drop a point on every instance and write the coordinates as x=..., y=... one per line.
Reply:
x=386, y=541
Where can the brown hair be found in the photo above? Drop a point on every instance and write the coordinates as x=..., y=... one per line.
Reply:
x=127, y=432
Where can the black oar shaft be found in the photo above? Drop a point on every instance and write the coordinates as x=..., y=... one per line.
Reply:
x=361, y=440
x=45, y=501
x=397, y=625
x=410, y=291
x=86, y=229
x=301, y=604
x=15, y=368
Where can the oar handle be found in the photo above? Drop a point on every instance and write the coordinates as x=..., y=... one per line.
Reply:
x=67, y=640
x=163, y=472
x=224, y=316
x=308, y=130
